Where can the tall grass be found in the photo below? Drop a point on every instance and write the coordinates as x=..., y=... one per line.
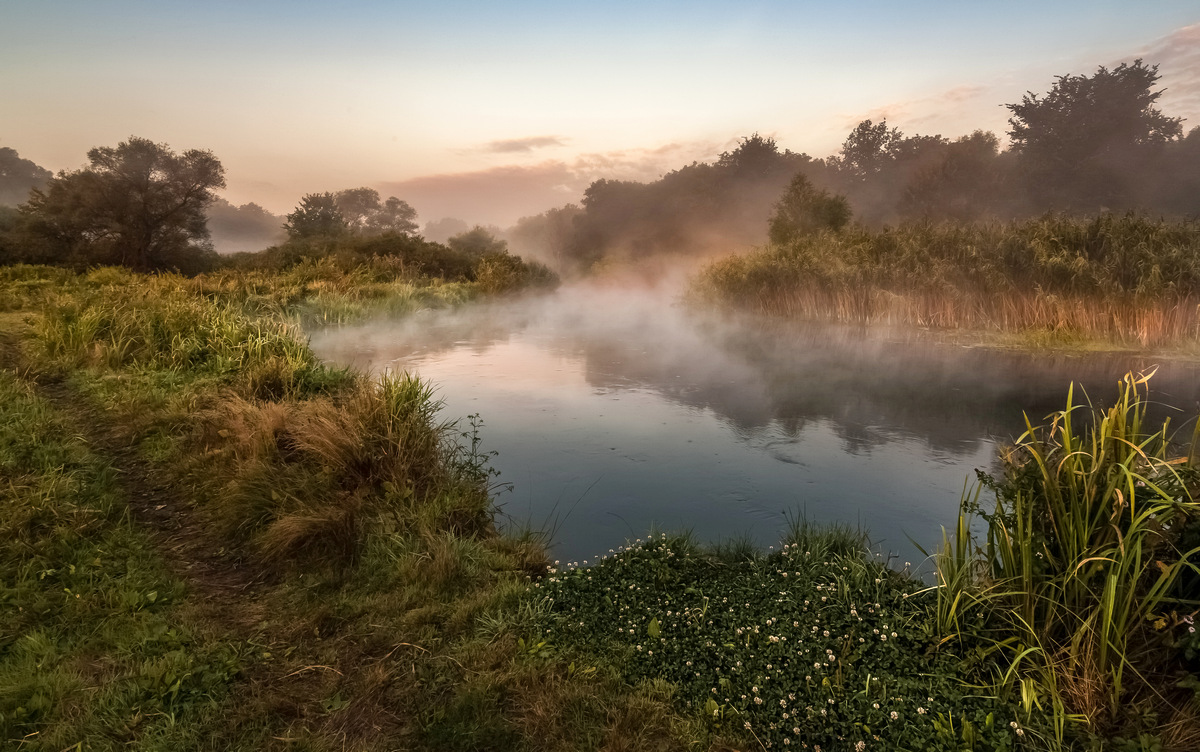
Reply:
x=1079, y=578
x=1124, y=278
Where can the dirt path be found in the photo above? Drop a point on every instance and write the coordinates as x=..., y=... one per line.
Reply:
x=223, y=587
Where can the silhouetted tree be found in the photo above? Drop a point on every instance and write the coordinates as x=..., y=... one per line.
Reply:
x=316, y=216
x=393, y=216
x=18, y=177
x=441, y=230
x=138, y=204
x=355, y=210
x=962, y=181
x=249, y=227
x=1081, y=142
x=804, y=209
x=867, y=149
x=476, y=242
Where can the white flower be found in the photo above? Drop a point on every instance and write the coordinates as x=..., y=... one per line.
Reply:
x=894, y=715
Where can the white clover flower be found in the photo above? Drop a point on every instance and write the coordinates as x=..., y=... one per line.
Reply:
x=894, y=715
x=920, y=711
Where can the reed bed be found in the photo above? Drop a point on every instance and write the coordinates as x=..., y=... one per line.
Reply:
x=1126, y=279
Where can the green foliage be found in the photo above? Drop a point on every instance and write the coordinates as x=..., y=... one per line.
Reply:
x=1079, y=578
x=815, y=644
x=317, y=215
x=505, y=273
x=803, y=210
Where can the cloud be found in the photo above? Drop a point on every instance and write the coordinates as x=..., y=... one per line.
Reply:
x=522, y=145
x=501, y=195
x=497, y=195
x=907, y=113
x=1177, y=56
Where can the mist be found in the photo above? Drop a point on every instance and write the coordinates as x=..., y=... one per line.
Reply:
x=615, y=409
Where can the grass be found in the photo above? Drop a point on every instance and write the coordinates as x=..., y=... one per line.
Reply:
x=269, y=553
x=95, y=649
x=1128, y=280
x=210, y=540
x=1086, y=585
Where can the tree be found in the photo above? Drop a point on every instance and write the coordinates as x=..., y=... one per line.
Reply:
x=478, y=242
x=1080, y=142
x=394, y=216
x=316, y=216
x=868, y=148
x=355, y=210
x=804, y=209
x=18, y=177
x=138, y=204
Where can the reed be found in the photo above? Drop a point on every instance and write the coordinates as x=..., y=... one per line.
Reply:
x=1078, y=581
x=1127, y=279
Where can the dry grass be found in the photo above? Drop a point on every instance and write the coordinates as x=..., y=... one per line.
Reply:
x=1129, y=279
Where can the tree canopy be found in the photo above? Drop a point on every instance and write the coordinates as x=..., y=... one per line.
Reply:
x=18, y=177
x=356, y=210
x=138, y=204
x=1082, y=139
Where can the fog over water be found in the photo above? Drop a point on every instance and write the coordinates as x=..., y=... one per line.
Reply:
x=615, y=410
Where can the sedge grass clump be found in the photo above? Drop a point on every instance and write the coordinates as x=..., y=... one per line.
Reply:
x=310, y=476
x=1085, y=585
x=813, y=646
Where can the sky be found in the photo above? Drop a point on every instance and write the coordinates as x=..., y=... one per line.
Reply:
x=489, y=111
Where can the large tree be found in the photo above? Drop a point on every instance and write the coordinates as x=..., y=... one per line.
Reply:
x=356, y=210
x=18, y=177
x=138, y=204
x=1079, y=143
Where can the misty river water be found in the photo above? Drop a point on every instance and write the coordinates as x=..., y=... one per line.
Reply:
x=616, y=411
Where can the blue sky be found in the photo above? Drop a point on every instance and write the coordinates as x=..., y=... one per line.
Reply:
x=492, y=110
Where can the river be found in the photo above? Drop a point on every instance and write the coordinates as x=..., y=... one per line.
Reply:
x=615, y=411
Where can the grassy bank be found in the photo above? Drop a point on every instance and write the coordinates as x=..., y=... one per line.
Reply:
x=1125, y=280
x=211, y=540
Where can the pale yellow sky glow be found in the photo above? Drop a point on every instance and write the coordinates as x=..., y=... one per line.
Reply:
x=489, y=114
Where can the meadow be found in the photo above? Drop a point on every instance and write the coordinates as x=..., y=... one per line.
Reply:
x=211, y=540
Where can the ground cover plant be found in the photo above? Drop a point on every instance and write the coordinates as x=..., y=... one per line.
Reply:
x=816, y=646
x=1125, y=279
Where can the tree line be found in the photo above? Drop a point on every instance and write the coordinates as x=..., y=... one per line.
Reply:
x=1091, y=144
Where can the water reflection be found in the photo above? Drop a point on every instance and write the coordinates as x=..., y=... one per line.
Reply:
x=613, y=410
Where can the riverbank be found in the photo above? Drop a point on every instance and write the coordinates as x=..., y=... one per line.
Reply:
x=1120, y=281
x=213, y=540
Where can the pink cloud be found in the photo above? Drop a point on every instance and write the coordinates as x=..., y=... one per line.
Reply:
x=500, y=195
